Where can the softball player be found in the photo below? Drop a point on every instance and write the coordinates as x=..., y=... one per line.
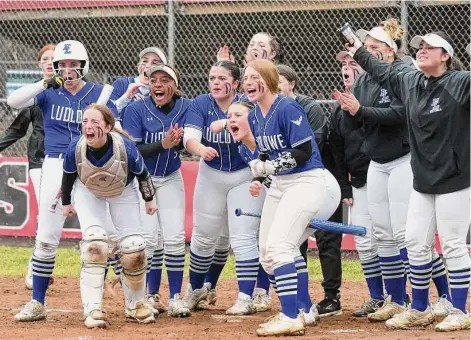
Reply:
x=238, y=125
x=223, y=177
x=262, y=46
x=347, y=136
x=301, y=188
x=18, y=130
x=389, y=178
x=62, y=100
x=148, y=121
x=106, y=163
x=127, y=89
x=438, y=124
x=329, y=244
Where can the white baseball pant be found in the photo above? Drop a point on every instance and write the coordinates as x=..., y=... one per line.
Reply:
x=388, y=192
x=291, y=202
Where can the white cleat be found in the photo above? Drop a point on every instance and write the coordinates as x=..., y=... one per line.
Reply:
x=32, y=311
x=243, y=306
x=282, y=325
x=210, y=300
x=177, y=308
x=155, y=302
x=442, y=307
x=192, y=297
x=96, y=319
x=311, y=318
x=261, y=300
x=142, y=313
x=456, y=320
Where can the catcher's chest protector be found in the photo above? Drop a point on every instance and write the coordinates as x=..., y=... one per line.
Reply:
x=108, y=180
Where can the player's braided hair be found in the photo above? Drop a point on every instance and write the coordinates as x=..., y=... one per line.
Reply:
x=394, y=29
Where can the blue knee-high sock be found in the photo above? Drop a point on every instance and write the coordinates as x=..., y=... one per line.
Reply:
x=405, y=260
x=215, y=270
x=154, y=277
x=112, y=262
x=392, y=268
x=440, y=279
x=304, y=299
x=42, y=272
x=459, y=284
x=420, y=277
x=175, y=263
x=262, y=279
x=287, y=286
x=374, y=279
x=272, y=280
x=199, y=266
x=247, y=271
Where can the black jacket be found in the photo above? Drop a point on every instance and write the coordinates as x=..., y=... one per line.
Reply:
x=438, y=114
x=346, y=137
x=384, y=118
x=316, y=118
x=18, y=130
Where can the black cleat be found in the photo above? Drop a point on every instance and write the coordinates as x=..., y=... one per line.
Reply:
x=329, y=307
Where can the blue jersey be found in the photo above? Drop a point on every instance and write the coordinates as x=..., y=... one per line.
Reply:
x=203, y=111
x=147, y=124
x=135, y=161
x=282, y=129
x=246, y=154
x=62, y=114
x=120, y=86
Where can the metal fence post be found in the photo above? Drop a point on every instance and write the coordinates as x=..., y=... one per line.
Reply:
x=171, y=33
x=405, y=25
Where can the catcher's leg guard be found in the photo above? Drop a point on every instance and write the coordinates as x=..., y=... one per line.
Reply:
x=134, y=263
x=94, y=255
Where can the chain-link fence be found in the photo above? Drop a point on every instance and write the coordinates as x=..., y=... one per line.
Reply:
x=191, y=31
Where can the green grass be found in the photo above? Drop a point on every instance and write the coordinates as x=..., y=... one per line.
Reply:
x=14, y=260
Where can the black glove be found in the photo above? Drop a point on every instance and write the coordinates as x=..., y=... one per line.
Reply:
x=54, y=82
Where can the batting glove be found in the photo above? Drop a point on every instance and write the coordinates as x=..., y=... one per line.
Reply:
x=261, y=169
x=54, y=82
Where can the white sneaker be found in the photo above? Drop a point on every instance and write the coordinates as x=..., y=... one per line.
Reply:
x=261, y=300
x=311, y=318
x=150, y=302
x=242, y=306
x=96, y=319
x=177, y=308
x=411, y=319
x=142, y=313
x=441, y=307
x=156, y=303
x=32, y=311
x=282, y=325
x=193, y=297
x=456, y=320
x=210, y=299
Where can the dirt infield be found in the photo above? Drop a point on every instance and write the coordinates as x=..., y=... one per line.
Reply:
x=65, y=318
